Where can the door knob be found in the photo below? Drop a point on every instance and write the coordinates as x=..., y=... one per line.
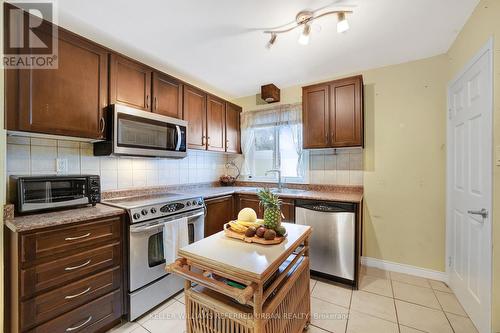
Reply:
x=483, y=212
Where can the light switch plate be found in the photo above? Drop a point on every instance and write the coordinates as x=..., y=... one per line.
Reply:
x=61, y=165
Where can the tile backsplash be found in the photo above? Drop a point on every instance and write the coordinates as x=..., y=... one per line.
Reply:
x=336, y=167
x=35, y=156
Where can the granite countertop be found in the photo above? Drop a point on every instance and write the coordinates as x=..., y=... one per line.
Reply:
x=344, y=195
x=44, y=220
x=55, y=218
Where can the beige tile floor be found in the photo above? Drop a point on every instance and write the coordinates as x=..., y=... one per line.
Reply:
x=386, y=302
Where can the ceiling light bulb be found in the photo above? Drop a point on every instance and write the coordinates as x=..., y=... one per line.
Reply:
x=304, y=36
x=272, y=41
x=342, y=24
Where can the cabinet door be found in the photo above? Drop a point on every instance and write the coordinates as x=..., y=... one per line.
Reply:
x=346, y=115
x=315, y=114
x=288, y=210
x=167, y=95
x=233, y=128
x=195, y=113
x=68, y=100
x=130, y=83
x=216, y=124
x=248, y=201
x=219, y=212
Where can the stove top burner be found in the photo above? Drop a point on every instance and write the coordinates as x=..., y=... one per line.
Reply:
x=147, y=207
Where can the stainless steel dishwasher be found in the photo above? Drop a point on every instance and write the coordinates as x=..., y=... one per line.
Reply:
x=332, y=245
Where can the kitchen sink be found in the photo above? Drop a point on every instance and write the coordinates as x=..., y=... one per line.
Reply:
x=276, y=190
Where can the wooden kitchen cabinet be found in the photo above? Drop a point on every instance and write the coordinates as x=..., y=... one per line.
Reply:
x=167, y=95
x=333, y=114
x=252, y=201
x=249, y=201
x=216, y=124
x=316, y=115
x=130, y=83
x=66, y=101
x=219, y=211
x=233, y=132
x=195, y=113
x=61, y=276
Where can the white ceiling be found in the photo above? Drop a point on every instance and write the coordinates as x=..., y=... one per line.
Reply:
x=220, y=42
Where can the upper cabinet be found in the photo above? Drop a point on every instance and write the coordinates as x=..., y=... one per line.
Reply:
x=167, y=95
x=216, y=124
x=333, y=114
x=233, y=128
x=65, y=101
x=195, y=113
x=70, y=100
x=130, y=83
x=139, y=86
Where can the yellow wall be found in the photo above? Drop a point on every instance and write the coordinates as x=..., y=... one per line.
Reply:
x=483, y=24
x=404, y=159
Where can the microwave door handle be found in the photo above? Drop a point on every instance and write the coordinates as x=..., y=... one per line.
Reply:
x=179, y=137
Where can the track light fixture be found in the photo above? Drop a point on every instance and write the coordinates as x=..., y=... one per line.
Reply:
x=304, y=19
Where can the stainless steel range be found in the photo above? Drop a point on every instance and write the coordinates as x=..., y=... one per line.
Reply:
x=149, y=284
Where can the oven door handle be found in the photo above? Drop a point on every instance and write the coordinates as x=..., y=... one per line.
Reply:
x=155, y=226
x=179, y=138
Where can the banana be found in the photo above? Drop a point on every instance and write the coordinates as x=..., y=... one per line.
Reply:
x=237, y=227
x=248, y=224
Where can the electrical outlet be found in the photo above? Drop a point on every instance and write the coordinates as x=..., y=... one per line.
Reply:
x=61, y=165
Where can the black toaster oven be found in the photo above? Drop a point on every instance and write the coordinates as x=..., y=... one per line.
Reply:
x=39, y=193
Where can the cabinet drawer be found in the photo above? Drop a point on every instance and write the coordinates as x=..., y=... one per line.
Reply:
x=58, y=241
x=56, y=302
x=64, y=270
x=91, y=317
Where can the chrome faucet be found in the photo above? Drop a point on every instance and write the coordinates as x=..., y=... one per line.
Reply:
x=280, y=184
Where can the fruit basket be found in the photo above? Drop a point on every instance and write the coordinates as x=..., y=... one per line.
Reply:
x=254, y=239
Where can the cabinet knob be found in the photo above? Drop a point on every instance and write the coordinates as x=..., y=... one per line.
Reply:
x=156, y=103
x=147, y=101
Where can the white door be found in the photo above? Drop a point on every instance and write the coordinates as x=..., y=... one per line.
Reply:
x=469, y=171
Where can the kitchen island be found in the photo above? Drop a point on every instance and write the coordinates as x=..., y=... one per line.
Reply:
x=232, y=286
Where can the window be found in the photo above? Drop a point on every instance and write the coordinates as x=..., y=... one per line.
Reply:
x=272, y=139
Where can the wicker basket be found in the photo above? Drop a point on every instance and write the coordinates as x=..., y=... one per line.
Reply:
x=286, y=311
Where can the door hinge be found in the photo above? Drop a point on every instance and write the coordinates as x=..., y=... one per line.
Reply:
x=449, y=261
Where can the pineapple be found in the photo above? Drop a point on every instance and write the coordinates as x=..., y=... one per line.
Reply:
x=272, y=212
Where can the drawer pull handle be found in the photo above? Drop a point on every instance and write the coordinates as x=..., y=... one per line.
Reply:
x=74, y=328
x=77, y=295
x=78, y=237
x=79, y=266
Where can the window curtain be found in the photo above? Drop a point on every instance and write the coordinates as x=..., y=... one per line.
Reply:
x=287, y=115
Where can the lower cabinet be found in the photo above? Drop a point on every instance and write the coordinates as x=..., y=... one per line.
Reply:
x=80, y=289
x=252, y=201
x=219, y=211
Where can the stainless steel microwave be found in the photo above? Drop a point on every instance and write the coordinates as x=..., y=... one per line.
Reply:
x=133, y=132
x=37, y=193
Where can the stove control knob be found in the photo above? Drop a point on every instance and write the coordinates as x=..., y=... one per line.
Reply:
x=200, y=202
x=144, y=212
x=153, y=210
x=188, y=203
x=136, y=216
x=194, y=202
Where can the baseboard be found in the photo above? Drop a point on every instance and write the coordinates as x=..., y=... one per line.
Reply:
x=403, y=268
